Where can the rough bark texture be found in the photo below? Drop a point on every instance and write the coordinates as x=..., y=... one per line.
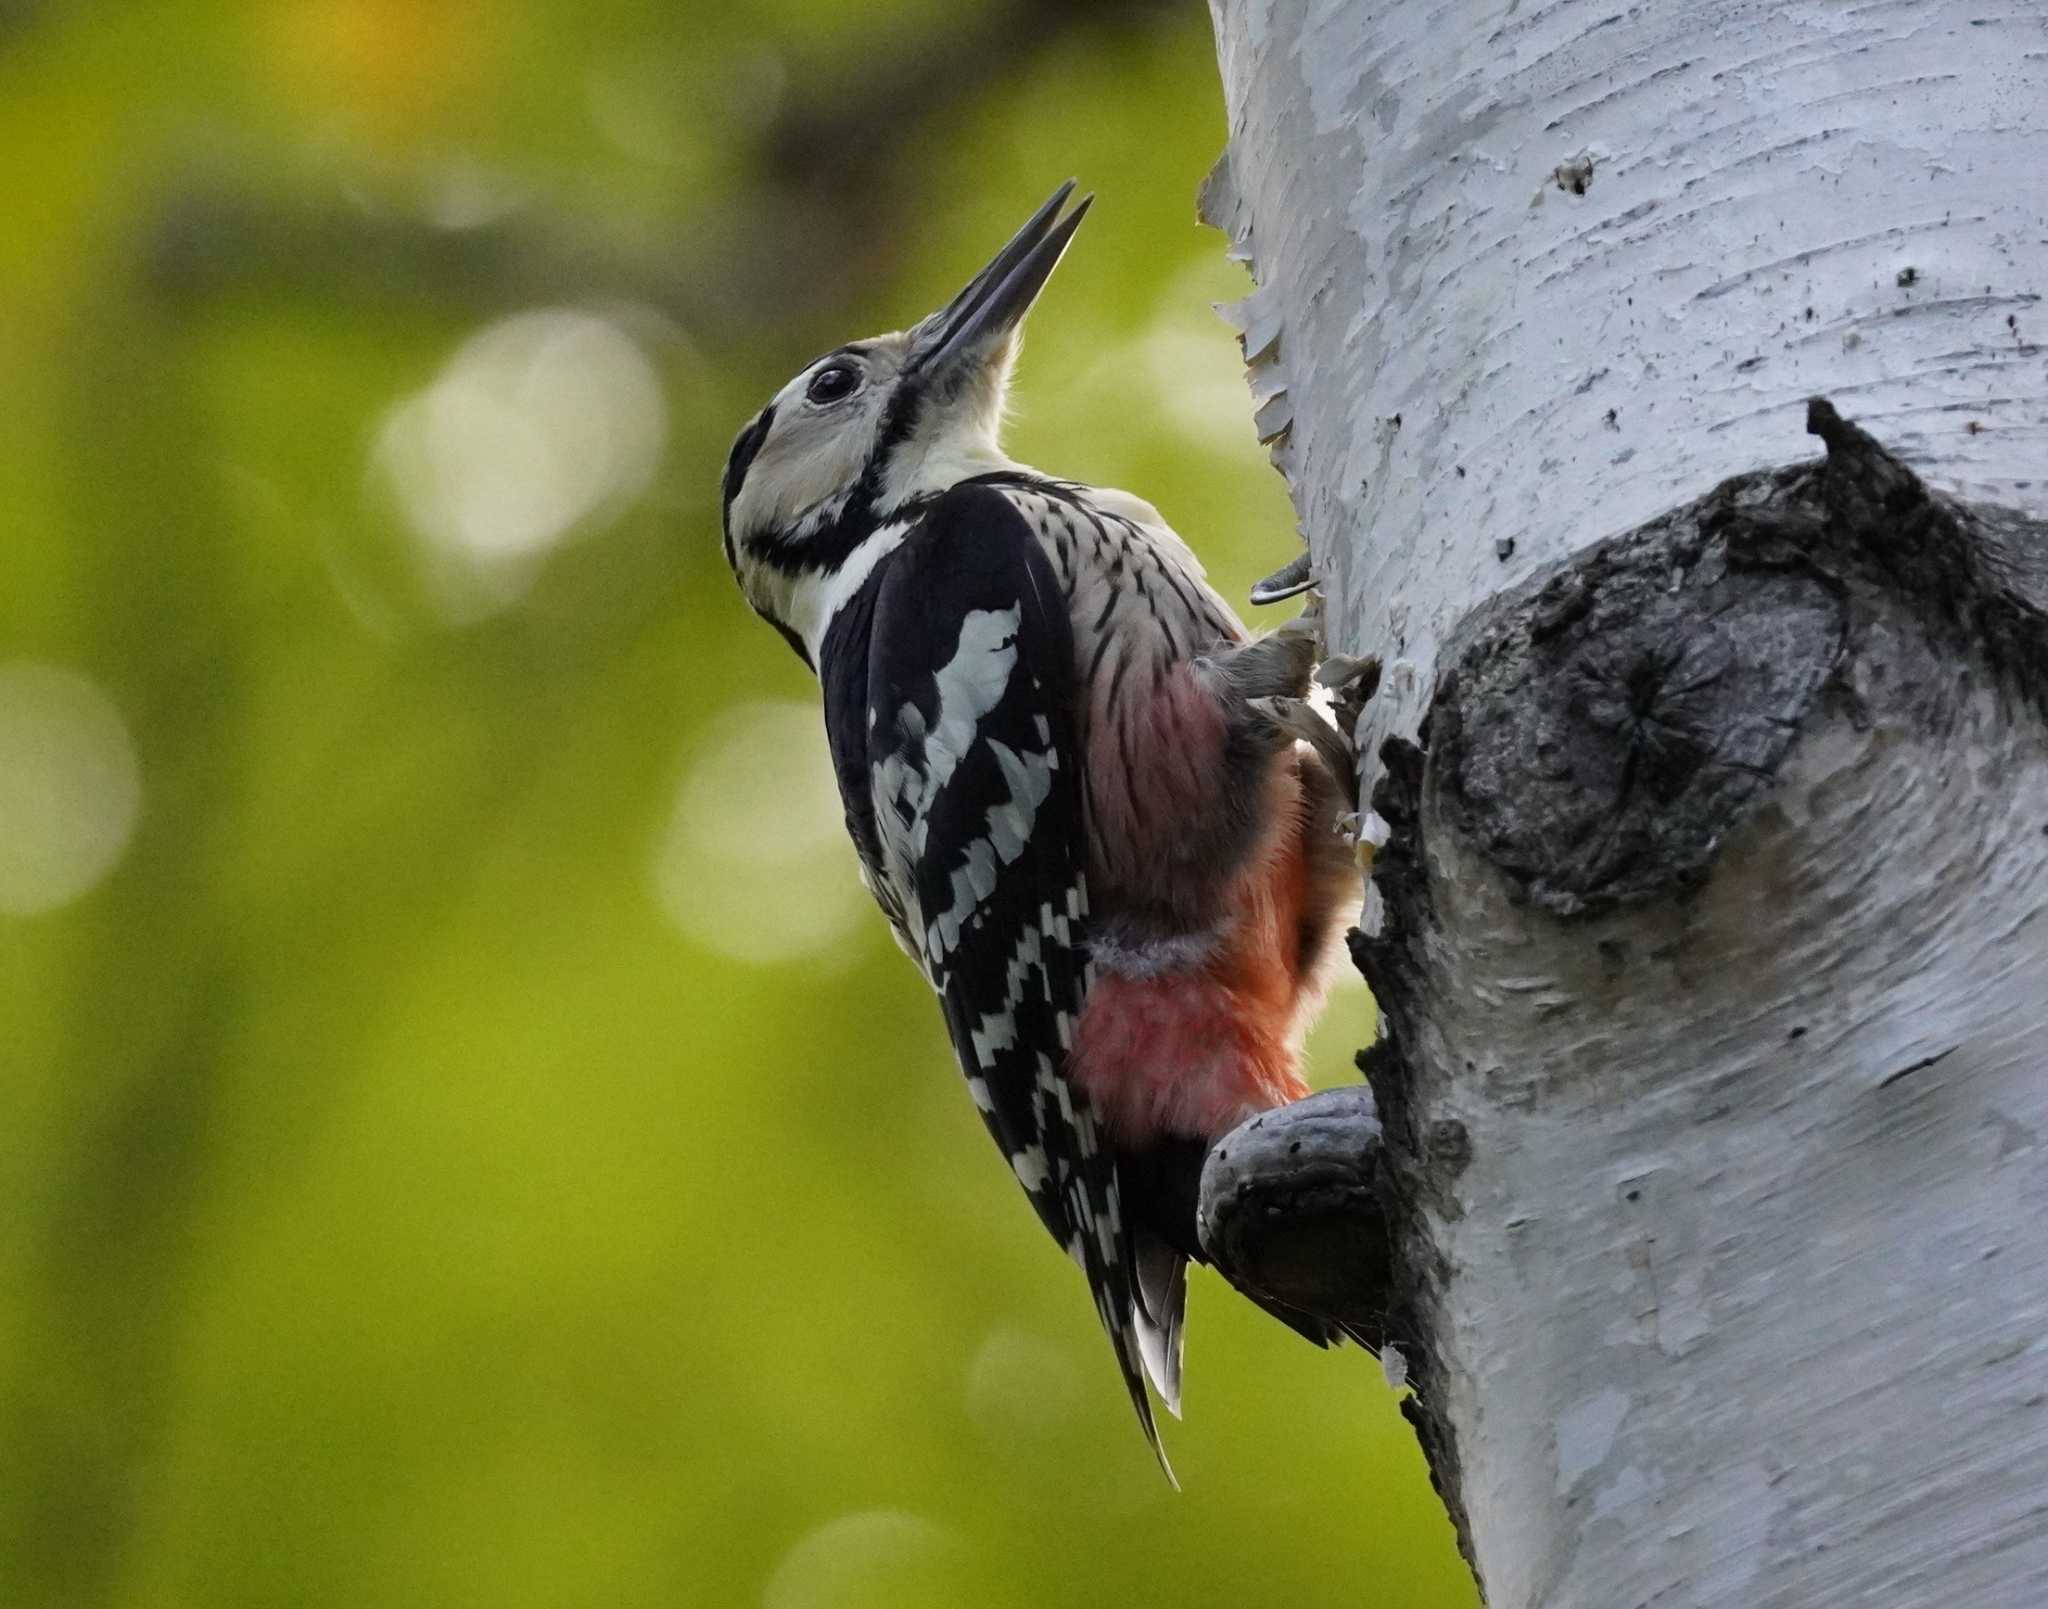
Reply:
x=1711, y=1121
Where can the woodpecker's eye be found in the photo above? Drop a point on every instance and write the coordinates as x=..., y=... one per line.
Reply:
x=830, y=385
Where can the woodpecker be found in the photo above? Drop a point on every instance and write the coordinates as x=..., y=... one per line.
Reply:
x=1077, y=786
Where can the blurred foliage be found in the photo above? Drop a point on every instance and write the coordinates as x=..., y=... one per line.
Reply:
x=468, y=1143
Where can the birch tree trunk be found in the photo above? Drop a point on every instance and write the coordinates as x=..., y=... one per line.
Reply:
x=1708, y=938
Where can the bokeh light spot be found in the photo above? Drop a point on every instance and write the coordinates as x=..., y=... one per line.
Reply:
x=544, y=422
x=755, y=862
x=70, y=787
x=1190, y=370
x=881, y=1559
x=1023, y=1389
x=463, y=193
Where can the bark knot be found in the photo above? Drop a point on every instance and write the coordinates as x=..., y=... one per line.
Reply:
x=1600, y=731
x=1598, y=738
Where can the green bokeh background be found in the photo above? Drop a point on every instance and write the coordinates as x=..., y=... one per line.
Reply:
x=474, y=1145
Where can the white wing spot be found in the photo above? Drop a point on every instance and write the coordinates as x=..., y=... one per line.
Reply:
x=1029, y=779
x=998, y=1032
x=970, y=685
x=973, y=882
x=1031, y=1168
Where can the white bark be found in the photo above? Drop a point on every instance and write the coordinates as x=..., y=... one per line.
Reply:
x=1762, y=174
x=1720, y=1199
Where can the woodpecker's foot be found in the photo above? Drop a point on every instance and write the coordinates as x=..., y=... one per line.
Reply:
x=1298, y=718
x=1277, y=665
x=1291, y=1214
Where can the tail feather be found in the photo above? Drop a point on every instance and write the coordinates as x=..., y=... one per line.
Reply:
x=1126, y=1333
x=1161, y=1288
x=1104, y=1246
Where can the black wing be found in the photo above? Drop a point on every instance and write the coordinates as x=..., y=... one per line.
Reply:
x=979, y=824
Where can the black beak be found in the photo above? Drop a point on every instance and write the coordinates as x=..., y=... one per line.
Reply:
x=998, y=297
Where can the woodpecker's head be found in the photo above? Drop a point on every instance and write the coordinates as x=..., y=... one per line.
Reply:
x=865, y=432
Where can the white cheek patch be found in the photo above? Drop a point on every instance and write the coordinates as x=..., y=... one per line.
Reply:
x=806, y=459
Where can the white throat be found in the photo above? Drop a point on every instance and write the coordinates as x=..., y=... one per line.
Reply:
x=918, y=470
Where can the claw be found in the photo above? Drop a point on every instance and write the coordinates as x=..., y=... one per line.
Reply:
x=1297, y=718
x=1291, y=578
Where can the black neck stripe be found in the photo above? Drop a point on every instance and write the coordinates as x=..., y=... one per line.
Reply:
x=897, y=423
x=741, y=460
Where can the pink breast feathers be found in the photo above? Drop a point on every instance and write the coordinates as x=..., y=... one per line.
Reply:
x=1192, y=1043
